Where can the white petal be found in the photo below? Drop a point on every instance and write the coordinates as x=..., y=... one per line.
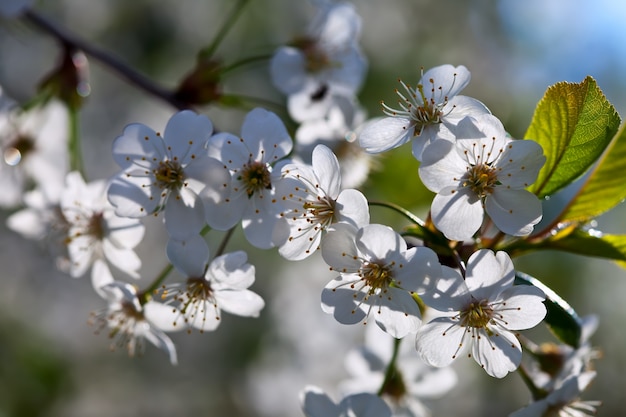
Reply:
x=498, y=354
x=223, y=215
x=338, y=299
x=450, y=292
x=231, y=270
x=163, y=316
x=441, y=166
x=184, y=214
x=100, y=276
x=189, y=256
x=123, y=231
x=378, y=241
x=317, y=404
x=136, y=143
x=352, y=208
x=124, y=259
x=327, y=170
x=488, y=274
x=339, y=248
x=287, y=69
x=229, y=149
x=520, y=163
x=515, y=212
x=266, y=136
x=461, y=106
x=398, y=313
x=211, y=173
x=438, y=342
x=448, y=81
x=240, y=302
x=365, y=405
x=131, y=199
x=385, y=134
x=457, y=214
x=187, y=133
x=258, y=223
x=522, y=307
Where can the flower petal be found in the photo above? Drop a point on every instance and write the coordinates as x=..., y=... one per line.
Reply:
x=498, y=354
x=439, y=342
x=457, y=213
x=515, y=212
x=385, y=134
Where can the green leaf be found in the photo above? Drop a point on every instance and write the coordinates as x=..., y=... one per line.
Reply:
x=561, y=318
x=573, y=123
x=591, y=243
x=605, y=187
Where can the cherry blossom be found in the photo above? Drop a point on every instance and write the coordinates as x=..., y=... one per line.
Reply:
x=483, y=171
x=166, y=172
x=129, y=322
x=563, y=401
x=313, y=201
x=326, y=58
x=34, y=148
x=378, y=276
x=94, y=231
x=483, y=311
x=248, y=190
x=412, y=381
x=426, y=112
x=206, y=292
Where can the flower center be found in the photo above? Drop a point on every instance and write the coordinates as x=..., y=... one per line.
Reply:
x=429, y=112
x=481, y=179
x=97, y=226
x=169, y=175
x=197, y=289
x=16, y=151
x=255, y=176
x=376, y=275
x=316, y=59
x=477, y=314
x=322, y=211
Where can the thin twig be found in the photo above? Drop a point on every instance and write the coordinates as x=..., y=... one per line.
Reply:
x=131, y=75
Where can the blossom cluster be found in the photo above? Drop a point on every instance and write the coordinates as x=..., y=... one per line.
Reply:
x=300, y=196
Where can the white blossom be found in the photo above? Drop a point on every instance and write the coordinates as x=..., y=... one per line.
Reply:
x=326, y=58
x=34, y=150
x=411, y=382
x=95, y=231
x=425, y=113
x=207, y=291
x=482, y=171
x=166, y=172
x=378, y=276
x=313, y=201
x=483, y=311
x=247, y=162
x=563, y=401
x=129, y=322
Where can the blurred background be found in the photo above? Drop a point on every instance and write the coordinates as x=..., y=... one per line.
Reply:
x=51, y=363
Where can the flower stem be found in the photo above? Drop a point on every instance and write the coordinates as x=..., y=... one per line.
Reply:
x=245, y=61
x=224, y=242
x=125, y=71
x=391, y=371
x=208, y=51
x=413, y=218
x=75, y=153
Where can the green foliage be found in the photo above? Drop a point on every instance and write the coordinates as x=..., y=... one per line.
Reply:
x=561, y=318
x=605, y=187
x=573, y=123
